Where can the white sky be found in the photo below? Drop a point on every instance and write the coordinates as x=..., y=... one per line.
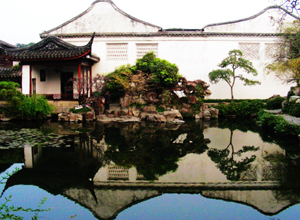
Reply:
x=23, y=20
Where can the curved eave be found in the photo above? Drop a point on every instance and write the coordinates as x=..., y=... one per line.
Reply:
x=46, y=58
x=252, y=17
x=46, y=33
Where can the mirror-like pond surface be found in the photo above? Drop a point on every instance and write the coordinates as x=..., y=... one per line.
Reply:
x=225, y=169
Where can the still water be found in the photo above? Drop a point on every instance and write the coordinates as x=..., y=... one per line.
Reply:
x=225, y=169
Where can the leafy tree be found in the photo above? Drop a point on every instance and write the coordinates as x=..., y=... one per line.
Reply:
x=164, y=74
x=286, y=65
x=149, y=71
x=133, y=84
x=114, y=81
x=234, y=61
x=8, y=90
x=19, y=45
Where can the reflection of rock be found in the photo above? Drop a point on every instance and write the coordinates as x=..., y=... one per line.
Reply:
x=263, y=200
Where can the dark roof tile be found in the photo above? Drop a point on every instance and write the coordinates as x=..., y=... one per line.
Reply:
x=10, y=72
x=51, y=48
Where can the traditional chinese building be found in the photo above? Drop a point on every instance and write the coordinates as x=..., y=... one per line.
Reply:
x=48, y=66
x=7, y=73
x=121, y=39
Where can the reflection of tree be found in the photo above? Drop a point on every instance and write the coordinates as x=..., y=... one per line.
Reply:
x=153, y=151
x=227, y=162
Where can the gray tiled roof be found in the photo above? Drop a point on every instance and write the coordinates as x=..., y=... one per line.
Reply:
x=6, y=45
x=10, y=72
x=51, y=48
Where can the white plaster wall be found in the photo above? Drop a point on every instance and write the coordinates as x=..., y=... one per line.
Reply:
x=103, y=17
x=195, y=58
x=52, y=84
x=26, y=79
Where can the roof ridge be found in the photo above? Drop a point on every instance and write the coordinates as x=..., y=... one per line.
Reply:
x=89, y=9
x=164, y=33
x=253, y=16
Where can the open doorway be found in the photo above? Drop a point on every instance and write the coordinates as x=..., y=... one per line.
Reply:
x=66, y=85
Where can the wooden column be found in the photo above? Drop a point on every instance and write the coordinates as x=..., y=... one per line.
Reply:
x=79, y=78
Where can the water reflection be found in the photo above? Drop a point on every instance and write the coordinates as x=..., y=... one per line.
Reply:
x=109, y=167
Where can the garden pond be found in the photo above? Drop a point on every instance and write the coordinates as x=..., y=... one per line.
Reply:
x=219, y=169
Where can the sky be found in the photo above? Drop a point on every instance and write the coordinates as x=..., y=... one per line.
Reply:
x=23, y=20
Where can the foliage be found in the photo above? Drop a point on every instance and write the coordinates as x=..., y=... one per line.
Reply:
x=234, y=61
x=164, y=74
x=21, y=105
x=19, y=45
x=275, y=102
x=148, y=72
x=137, y=105
x=80, y=110
x=11, y=156
x=287, y=59
x=286, y=70
x=114, y=81
x=241, y=109
x=292, y=108
x=7, y=211
x=278, y=124
x=35, y=106
x=133, y=84
x=9, y=90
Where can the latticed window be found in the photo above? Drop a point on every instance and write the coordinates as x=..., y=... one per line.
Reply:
x=143, y=48
x=117, y=173
x=250, y=50
x=271, y=51
x=117, y=51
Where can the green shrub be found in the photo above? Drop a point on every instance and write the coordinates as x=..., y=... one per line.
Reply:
x=275, y=102
x=160, y=109
x=165, y=74
x=241, y=109
x=8, y=90
x=80, y=110
x=278, y=124
x=29, y=106
x=292, y=108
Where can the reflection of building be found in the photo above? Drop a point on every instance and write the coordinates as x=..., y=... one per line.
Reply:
x=106, y=190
